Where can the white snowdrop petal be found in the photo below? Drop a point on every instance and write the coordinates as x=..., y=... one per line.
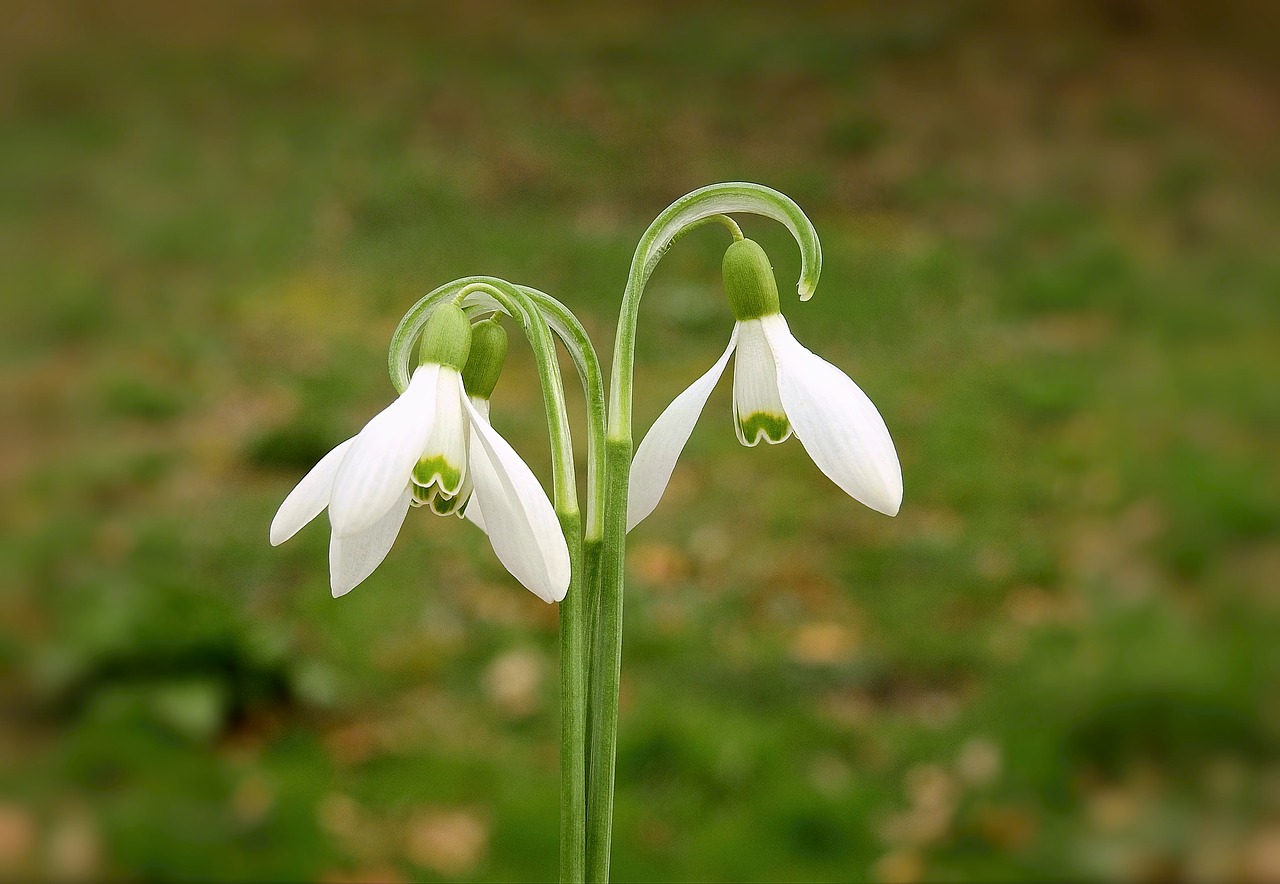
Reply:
x=353, y=558
x=757, y=407
x=836, y=422
x=443, y=460
x=656, y=457
x=377, y=467
x=309, y=497
x=519, y=519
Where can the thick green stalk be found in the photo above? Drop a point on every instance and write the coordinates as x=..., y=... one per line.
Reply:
x=573, y=710
x=578, y=618
x=692, y=210
x=606, y=659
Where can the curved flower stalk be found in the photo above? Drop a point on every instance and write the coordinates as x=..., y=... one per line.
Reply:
x=686, y=213
x=482, y=295
x=779, y=387
x=432, y=446
x=539, y=314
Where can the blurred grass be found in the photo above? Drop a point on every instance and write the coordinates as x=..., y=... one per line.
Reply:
x=1049, y=257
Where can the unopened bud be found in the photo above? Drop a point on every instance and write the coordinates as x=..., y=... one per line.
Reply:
x=488, y=353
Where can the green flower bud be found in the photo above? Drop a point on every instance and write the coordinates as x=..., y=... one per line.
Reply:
x=749, y=282
x=484, y=365
x=446, y=340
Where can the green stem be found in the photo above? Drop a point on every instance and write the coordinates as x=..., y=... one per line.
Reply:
x=694, y=209
x=573, y=711
x=523, y=305
x=606, y=661
x=577, y=634
x=578, y=345
x=573, y=668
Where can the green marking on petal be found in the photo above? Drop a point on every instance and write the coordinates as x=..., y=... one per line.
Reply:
x=445, y=504
x=438, y=471
x=439, y=502
x=773, y=427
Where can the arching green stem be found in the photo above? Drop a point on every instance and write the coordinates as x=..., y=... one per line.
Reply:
x=578, y=346
x=531, y=310
x=684, y=214
x=566, y=325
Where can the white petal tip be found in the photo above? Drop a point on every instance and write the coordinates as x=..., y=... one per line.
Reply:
x=344, y=579
x=284, y=526
x=551, y=598
x=517, y=515
x=341, y=583
x=556, y=585
x=309, y=497
x=886, y=500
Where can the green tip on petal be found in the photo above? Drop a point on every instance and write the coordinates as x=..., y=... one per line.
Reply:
x=774, y=428
x=749, y=282
x=439, y=502
x=488, y=353
x=445, y=504
x=437, y=471
x=446, y=339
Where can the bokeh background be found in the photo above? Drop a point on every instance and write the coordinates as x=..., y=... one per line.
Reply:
x=1050, y=257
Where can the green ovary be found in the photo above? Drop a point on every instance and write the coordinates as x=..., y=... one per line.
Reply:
x=436, y=470
x=773, y=427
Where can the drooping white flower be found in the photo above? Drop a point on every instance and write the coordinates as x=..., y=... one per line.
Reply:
x=433, y=445
x=779, y=388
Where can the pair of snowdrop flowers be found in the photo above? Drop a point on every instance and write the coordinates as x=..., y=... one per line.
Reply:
x=434, y=447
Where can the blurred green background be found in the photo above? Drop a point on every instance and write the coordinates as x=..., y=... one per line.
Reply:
x=1050, y=257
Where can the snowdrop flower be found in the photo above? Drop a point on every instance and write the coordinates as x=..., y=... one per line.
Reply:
x=433, y=446
x=779, y=388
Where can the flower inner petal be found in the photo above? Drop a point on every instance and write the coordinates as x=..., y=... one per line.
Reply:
x=757, y=406
x=443, y=462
